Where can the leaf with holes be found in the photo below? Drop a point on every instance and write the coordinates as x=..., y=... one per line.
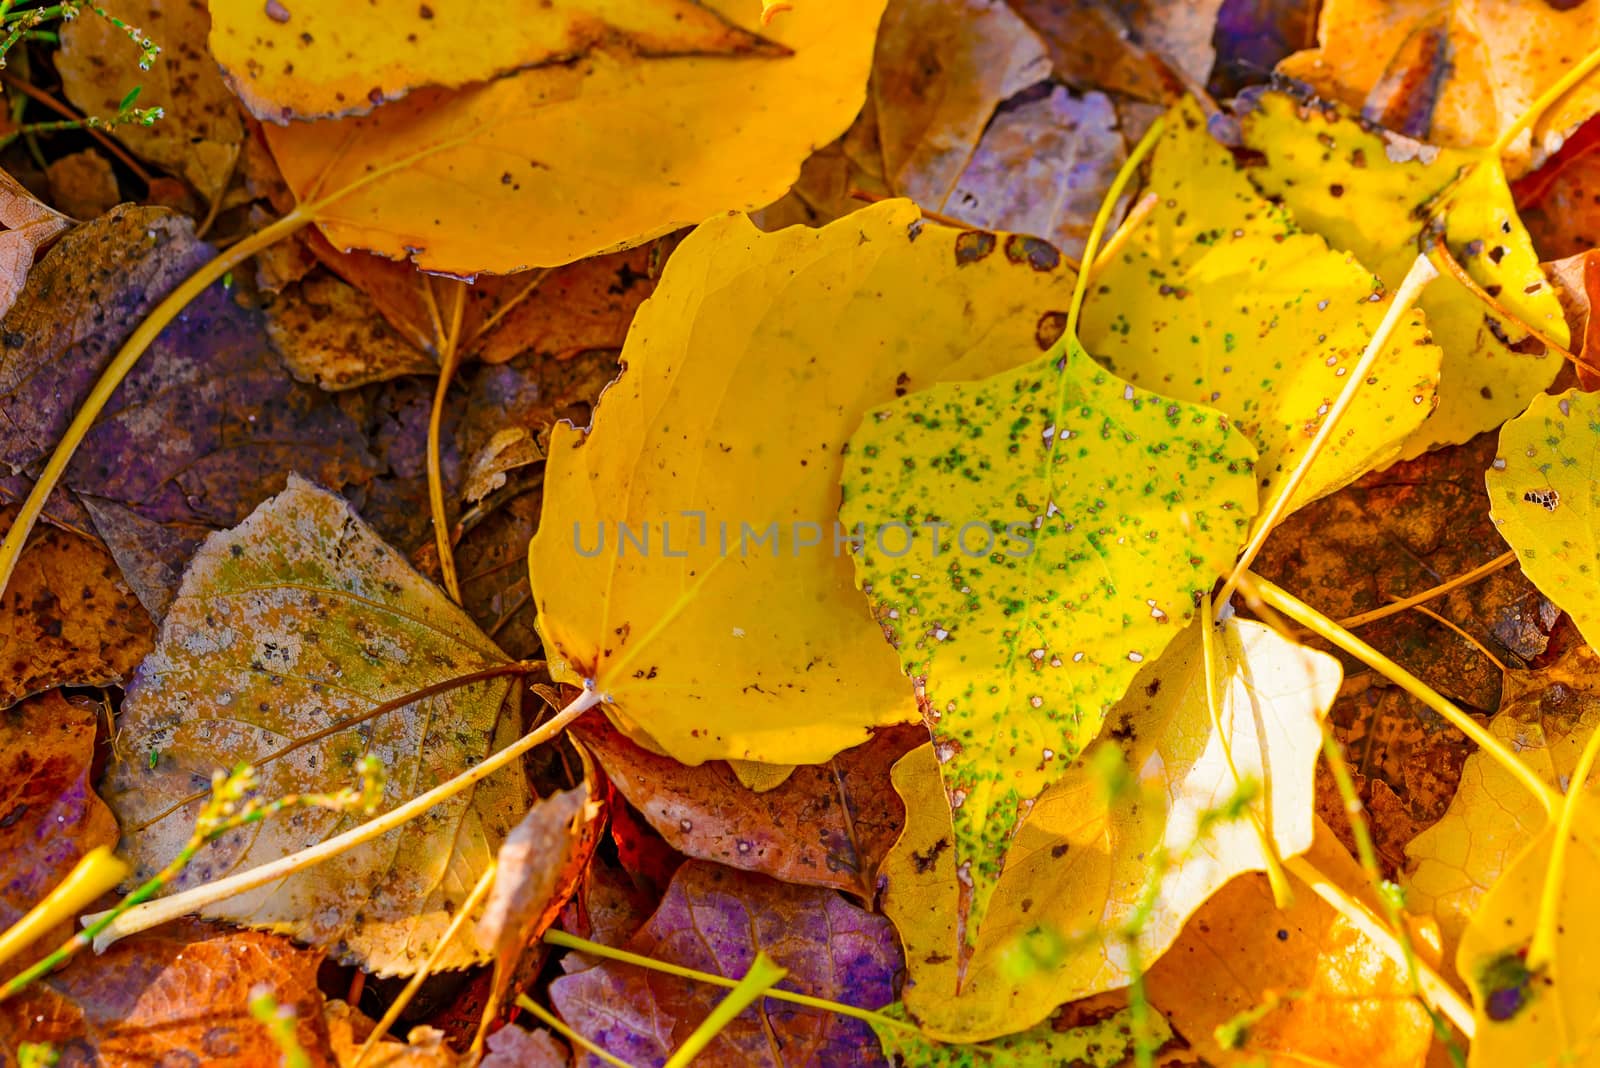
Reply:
x=296, y=620
x=688, y=559
x=1052, y=526
x=1217, y=297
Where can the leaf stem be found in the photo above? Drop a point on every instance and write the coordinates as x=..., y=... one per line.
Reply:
x=1327, y=629
x=554, y=1022
x=168, y=908
x=458, y=921
x=595, y=949
x=763, y=972
x=449, y=360
x=1555, y=92
x=1421, y=273
x=117, y=370
x=1505, y=559
x=98, y=871
x=1542, y=950
x=1102, y=220
x=1459, y=274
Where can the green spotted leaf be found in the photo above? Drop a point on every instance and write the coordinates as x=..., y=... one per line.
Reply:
x=1095, y=1043
x=1544, y=495
x=1217, y=296
x=1033, y=538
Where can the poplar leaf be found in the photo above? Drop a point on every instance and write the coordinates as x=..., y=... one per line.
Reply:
x=1073, y=520
x=1372, y=194
x=720, y=613
x=295, y=620
x=1219, y=298
x=1078, y=868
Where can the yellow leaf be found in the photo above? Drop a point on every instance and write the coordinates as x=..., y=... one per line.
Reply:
x=295, y=620
x=1543, y=499
x=739, y=633
x=565, y=161
x=1105, y=1040
x=1455, y=73
x=1369, y=193
x=304, y=59
x=1076, y=872
x=1217, y=297
x=1058, y=526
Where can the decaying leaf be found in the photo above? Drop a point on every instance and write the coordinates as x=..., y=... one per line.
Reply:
x=1253, y=35
x=295, y=620
x=171, y=996
x=1217, y=298
x=563, y=161
x=205, y=427
x=1148, y=49
x=199, y=133
x=1370, y=193
x=1543, y=496
x=827, y=825
x=1079, y=863
x=1070, y=521
x=1454, y=73
x=941, y=69
x=1308, y=986
x=83, y=184
x=1545, y=718
x=331, y=62
x=540, y=865
x=1557, y=201
x=1577, y=282
x=29, y=226
x=514, y=1047
x=738, y=632
x=716, y=919
x=49, y=814
x=424, y=1047
x=329, y=334
x=67, y=617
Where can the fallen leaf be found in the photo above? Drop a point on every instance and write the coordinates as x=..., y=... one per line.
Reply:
x=393, y=418
x=755, y=645
x=1545, y=718
x=329, y=334
x=49, y=814
x=1147, y=49
x=1252, y=36
x=645, y=146
x=827, y=825
x=1079, y=863
x=199, y=134
x=67, y=618
x=609, y=908
x=1056, y=618
x=1529, y=1012
x=940, y=70
x=715, y=919
x=1105, y=1043
x=1370, y=193
x=1321, y=992
x=175, y=995
x=83, y=184
x=424, y=1047
x=1557, y=201
x=1577, y=282
x=514, y=1047
x=204, y=428
x=299, y=618
x=540, y=864
x=1216, y=297
x=1042, y=167
x=29, y=226
x=835, y=180
x=1456, y=73
x=1542, y=497
x=440, y=43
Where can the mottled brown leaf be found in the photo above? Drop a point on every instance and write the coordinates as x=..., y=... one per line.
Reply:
x=329, y=334
x=82, y=184
x=29, y=226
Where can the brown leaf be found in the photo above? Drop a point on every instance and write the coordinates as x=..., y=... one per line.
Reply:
x=67, y=617
x=199, y=133
x=29, y=226
x=1146, y=49
x=1577, y=282
x=1253, y=35
x=348, y=1028
x=83, y=184
x=329, y=334
x=176, y=995
x=49, y=814
x=826, y=825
